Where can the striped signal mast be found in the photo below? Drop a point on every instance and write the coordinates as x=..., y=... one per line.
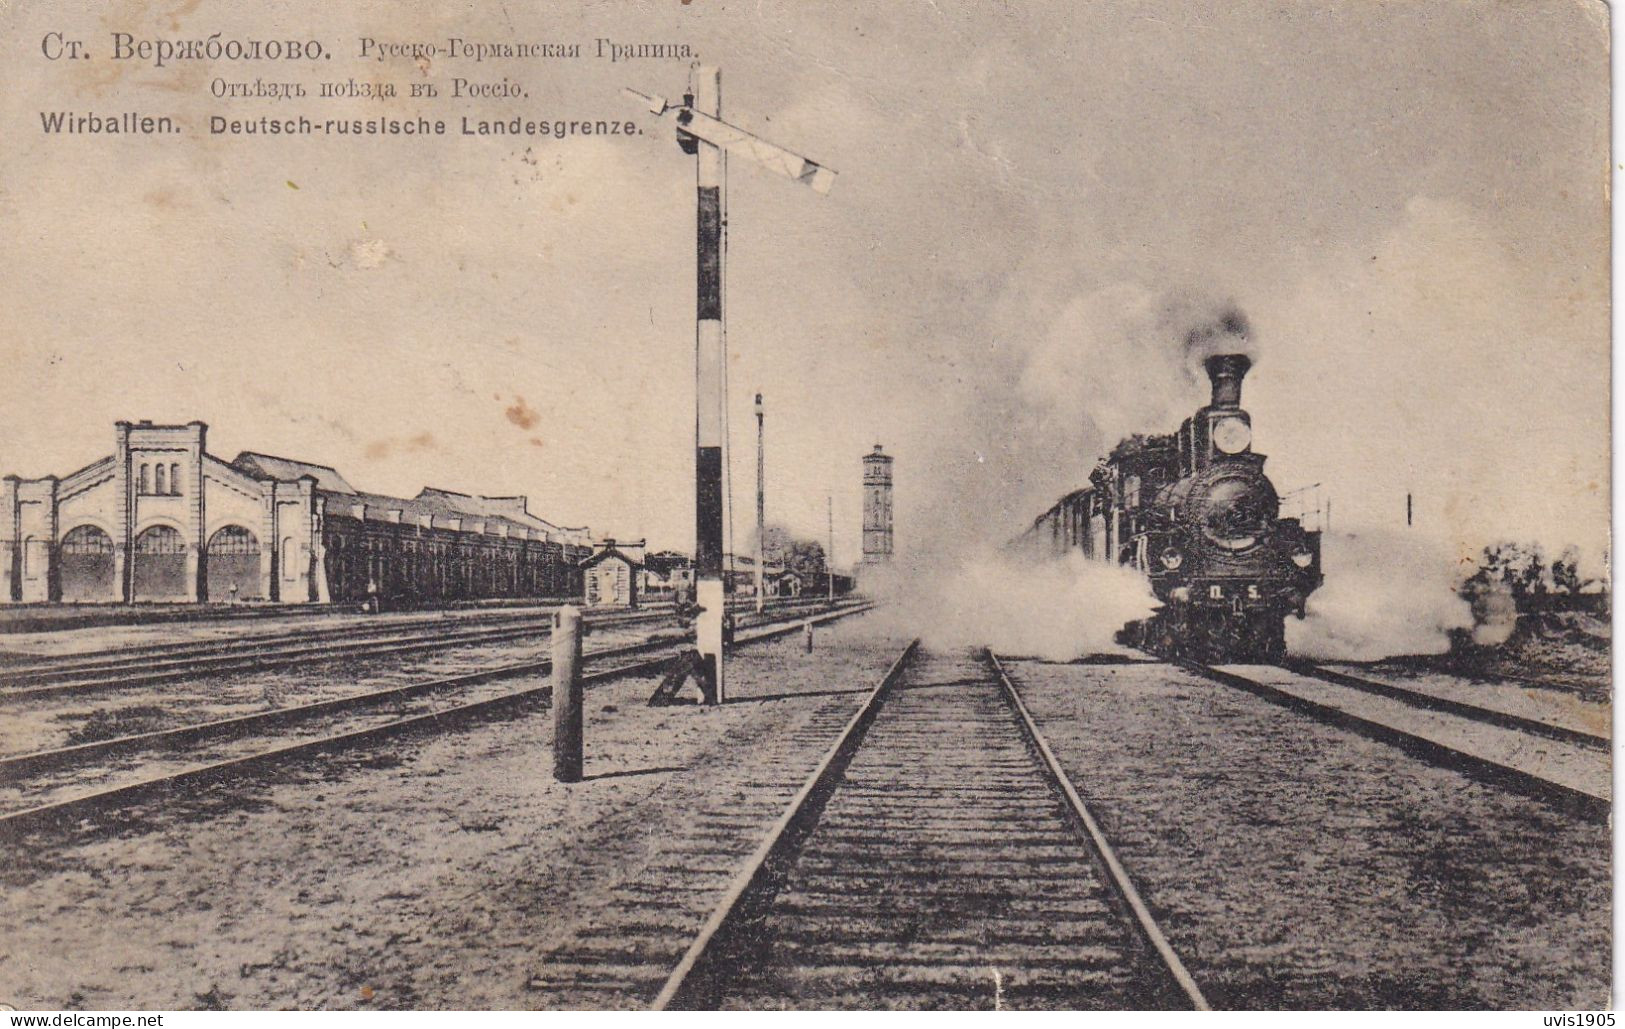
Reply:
x=702, y=132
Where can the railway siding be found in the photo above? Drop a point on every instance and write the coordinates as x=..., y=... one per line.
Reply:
x=220, y=749
x=1563, y=710
x=1294, y=864
x=1572, y=776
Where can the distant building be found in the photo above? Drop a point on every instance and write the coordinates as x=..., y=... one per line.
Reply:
x=877, y=497
x=665, y=574
x=162, y=519
x=788, y=584
x=610, y=577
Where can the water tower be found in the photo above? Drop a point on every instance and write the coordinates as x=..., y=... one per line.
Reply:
x=877, y=523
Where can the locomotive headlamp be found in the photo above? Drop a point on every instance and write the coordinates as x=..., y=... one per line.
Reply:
x=1172, y=559
x=1303, y=559
x=1231, y=435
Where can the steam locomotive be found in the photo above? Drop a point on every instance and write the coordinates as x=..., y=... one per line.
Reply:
x=1195, y=512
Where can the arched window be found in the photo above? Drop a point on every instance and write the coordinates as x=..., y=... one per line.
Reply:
x=290, y=553
x=233, y=539
x=158, y=480
x=146, y=478
x=175, y=480
x=160, y=539
x=87, y=539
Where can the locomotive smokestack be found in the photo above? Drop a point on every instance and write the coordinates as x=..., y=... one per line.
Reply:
x=1226, y=371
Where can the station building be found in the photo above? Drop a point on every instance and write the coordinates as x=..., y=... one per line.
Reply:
x=162, y=519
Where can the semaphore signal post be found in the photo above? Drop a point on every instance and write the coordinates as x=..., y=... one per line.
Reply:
x=702, y=132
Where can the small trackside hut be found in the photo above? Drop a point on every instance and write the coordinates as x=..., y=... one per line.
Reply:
x=610, y=576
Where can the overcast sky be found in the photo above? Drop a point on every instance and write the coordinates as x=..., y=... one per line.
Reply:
x=1407, y=200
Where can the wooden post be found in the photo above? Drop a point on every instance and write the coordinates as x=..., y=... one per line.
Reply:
x=807, y=631
x=567, y=694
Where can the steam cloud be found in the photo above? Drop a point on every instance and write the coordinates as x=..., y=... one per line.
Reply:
x=1120, y=359
x=1386, y=593
x=1014, y=602
x=1127, y=359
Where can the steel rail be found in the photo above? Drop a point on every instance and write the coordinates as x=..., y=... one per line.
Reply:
x=41, y=760
x=1475, y=712
x=57, y=811
x=1124, y=886
x=137, y=672
x=802, y=807
x=22, y=665
x=17, y=668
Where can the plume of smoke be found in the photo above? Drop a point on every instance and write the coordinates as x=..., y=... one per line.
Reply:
x=1013, y=602
x=1023, y=421
x=1120, y=359
x=1386, y=594
x=1126, y=358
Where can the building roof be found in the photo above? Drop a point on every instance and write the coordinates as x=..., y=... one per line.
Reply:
x=414, y=510
x=437, y=503
x=515, y=509
x=285, y=469
x=611, y=551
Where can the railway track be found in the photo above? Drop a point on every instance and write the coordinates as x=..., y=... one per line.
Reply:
x=22, y=663
x=321, y=727
x=173, y=662
x=938, y=856
x=1475, y=712
x=1563, y=766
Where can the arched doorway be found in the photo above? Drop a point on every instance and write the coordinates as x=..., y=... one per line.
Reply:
x=160, y=565
x=85, y=565
x=233, y=559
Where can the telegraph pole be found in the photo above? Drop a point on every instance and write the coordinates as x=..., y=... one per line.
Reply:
x=761, y=510
x=829, y=554
x=702, y=132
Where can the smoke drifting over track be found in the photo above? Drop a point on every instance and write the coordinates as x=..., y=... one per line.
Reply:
x=1386, y=593
x=1043, y=408
x=1008, y=600
x=1044, y=404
